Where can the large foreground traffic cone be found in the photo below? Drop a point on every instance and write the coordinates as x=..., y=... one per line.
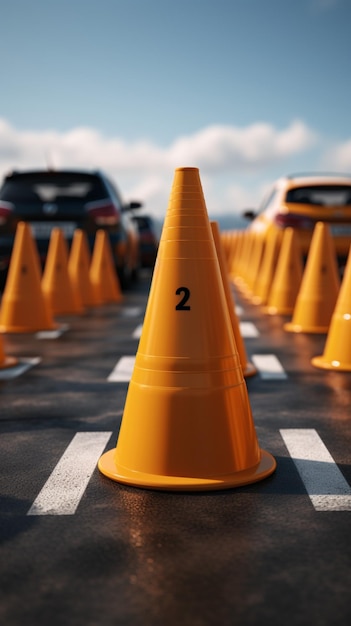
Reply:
x=102, y=273
x=187, y=422
x=320, y=286
x=287, y=277
x=337, y=350
x=79, y=268
x=248, y=368
x=57, y=287
x=23, y=307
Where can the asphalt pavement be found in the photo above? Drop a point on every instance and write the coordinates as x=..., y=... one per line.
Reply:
x=78, y=549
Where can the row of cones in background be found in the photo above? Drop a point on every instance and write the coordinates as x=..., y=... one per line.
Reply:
x=313, y=295
x=71, y=282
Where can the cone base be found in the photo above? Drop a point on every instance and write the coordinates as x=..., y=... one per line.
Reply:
x=249, y=370
x=257, y=300
x=323, y=363
x=107, y=466
x=274, y=310
x=9, y=361
x=297, y=328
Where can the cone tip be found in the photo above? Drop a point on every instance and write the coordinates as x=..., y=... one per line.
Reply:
x=187, y=169
x=184, y=177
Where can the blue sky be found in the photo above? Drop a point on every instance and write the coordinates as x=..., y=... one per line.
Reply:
x=246, y=90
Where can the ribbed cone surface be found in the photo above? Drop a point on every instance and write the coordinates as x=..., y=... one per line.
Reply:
x=320, y=285
x=23, y=306
x=256, y=262
x=79, y=268
x=287, y=277
x=247, y=367
x=267, y=269
x=337, y=350
x=56, y=283
x=187, y=421
x=102, y=272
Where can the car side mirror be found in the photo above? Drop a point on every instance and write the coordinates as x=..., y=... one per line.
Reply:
x=134, y=204
x=249, y=214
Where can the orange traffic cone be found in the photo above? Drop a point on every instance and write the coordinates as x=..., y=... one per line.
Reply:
x=79, y=267
x=256, y=264
x=57, y=287
x=237, y=247
x=266, y=274
x=103, y=275
x=337, y=351
x=6, y=361
x=287, y=277
x=24, y=308
x=320, y=286
x=248, y=368
x=187, y=422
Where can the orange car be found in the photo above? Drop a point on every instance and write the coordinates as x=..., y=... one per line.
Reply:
x=302, y=200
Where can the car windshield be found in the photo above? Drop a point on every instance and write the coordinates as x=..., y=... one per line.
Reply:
x=325, y=195
x=52, y=188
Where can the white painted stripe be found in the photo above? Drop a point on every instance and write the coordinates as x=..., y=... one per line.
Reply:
x=22, y=366
x=65, y=486
x=248, y=329
x=131, y=311
x=123, y=370
x=239, y=310
x=324, y=483
x=137, y=332
x=52, y=334
x=268, y=366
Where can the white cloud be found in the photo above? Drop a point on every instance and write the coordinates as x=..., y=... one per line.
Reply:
x=145, y=170
x=338, y=157
x=219, y=148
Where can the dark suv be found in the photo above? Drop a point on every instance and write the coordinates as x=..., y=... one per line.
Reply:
x=68, y=200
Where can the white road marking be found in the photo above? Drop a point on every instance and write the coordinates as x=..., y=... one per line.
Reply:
x=22, y=366
x=65, y=486
x=131, y=311
x=248, y=329
x=137, y=332
x=269, y=367
x=326, y=486
x=239, y=309
x=52, y=334
x=123, y=370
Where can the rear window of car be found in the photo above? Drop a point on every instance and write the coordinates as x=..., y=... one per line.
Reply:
x=322, y=195
x=52, y=188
